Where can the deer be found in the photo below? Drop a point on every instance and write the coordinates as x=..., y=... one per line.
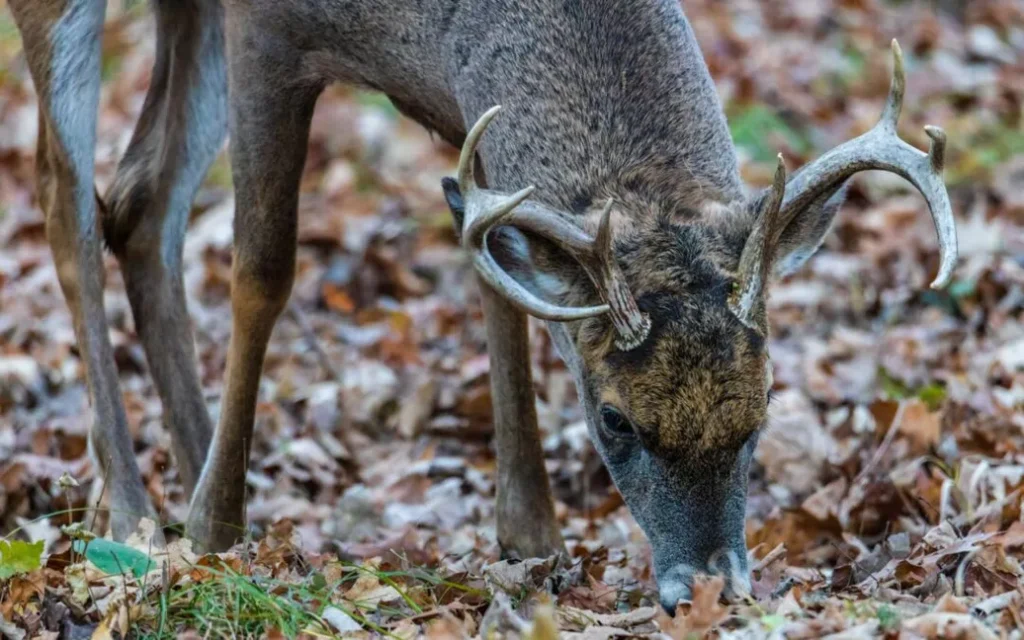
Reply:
x=597, y=189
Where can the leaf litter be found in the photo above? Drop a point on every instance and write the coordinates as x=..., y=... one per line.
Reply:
x=886, y=497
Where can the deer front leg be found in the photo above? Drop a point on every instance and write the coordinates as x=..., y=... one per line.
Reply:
x=525, y=510
x=62, y=47
x=271, y=109
x=180, y=131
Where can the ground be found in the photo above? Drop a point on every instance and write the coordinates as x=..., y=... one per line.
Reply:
x=886, y=498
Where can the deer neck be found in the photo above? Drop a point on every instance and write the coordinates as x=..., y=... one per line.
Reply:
x=600, y=99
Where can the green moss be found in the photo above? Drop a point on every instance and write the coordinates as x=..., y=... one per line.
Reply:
x=755, y=127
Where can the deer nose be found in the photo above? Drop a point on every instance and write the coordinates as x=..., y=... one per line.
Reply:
x=678, y=596
x=677, y=585
x=674, y=586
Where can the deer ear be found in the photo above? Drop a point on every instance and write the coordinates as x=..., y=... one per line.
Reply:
x=542, y=268
x=804, y=234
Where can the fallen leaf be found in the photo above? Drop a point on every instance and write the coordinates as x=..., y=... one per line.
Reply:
x=701, y=614
x=19, y=557
x=920, y=426
x=948, y=625
x=340, y=621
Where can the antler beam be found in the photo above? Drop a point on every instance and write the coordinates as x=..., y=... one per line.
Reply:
x=881, y=148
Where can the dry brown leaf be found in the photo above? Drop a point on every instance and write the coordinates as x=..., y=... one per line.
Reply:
x=949, y=603
x=794, y=448
x=701, y=614
x=577, y=619
x=514, y=576
x=368, y=592
x=824, y=503
x=921, y=426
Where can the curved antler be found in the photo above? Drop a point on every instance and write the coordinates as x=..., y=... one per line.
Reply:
x=881, y=148
x=479, y=210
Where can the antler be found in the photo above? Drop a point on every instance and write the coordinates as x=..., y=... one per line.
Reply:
x=756, y=260
x=881, y=148
x=479, y=210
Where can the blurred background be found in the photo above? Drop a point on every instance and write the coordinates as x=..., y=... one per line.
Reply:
x=380, y=362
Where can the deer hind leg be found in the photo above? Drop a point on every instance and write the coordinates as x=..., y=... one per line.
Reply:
x=180, y=131
x=62, y=46
x=271, y=111
x=527, y=527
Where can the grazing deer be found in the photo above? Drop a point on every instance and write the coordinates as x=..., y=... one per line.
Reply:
x=636, y=240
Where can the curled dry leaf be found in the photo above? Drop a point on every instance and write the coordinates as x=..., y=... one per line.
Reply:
x=512, y=577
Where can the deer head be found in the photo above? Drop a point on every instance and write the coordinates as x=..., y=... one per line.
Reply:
x=661, y=318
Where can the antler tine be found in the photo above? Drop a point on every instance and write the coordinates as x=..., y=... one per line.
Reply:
x=881, y=148
x=467, y=157
x=755, y=261
x=631, y=325
x=890, y=117
x=597, y=258
x=937, y=149
x=476, y=228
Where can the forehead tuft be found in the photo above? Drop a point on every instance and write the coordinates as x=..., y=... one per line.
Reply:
x=697, y=384
x=702, y=387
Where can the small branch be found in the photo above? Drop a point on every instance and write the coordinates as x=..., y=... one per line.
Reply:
x=312, y=340
x=890, y=436
x=770, y=559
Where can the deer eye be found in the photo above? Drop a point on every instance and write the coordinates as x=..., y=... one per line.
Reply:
x=615, y=422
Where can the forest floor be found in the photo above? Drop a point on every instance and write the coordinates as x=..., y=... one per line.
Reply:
x=886, y=495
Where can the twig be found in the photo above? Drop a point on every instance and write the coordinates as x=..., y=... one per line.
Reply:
x=783, y=588
x=437, y=611
x=768, y=560
x=124, y=583
x=945, y=500
x=976, y=478
x=890, y=435
x=312, y=340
